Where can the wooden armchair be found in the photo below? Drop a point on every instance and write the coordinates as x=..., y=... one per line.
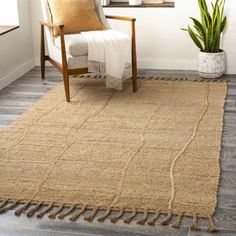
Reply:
x=70, y=65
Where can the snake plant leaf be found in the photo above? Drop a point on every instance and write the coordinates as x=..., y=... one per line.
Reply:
x=223, y=24
x=199, y=36
x=222, y=9
x=207, y=31
x=194, y=38
x=200, y=29
x=210, y=39
x=205, y=12
x=216, y=45
x=215, y=8
x=203, y=19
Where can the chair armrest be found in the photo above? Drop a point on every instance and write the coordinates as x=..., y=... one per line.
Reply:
x=63, y=48
x=123, y=18
x=51, y=25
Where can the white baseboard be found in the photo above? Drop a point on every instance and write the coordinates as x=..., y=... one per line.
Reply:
x=156, y=64
x=163, y=64
x=167, y=64
x=16, y=73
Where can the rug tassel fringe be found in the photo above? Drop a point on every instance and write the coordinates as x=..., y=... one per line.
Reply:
x=182, y=79
x=54, y=215
x=114, y=219
x=76, y=217
x=4, y=203
x=154, y=219
x=34, y=210
x=7, y=208
x=131, y=216
x=63, y=215
x=167, y=219
x=144, y=219
x=212, y=228
x=19, y=211
x=178, y=221
x=41, y=214
x=93, y=214
x=195, y=225
x=106, y=214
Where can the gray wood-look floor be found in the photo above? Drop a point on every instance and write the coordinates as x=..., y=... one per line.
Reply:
x=17, y=97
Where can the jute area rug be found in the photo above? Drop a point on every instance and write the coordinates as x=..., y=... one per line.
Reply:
x=156, y=152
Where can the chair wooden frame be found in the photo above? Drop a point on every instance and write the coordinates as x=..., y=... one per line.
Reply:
x=63, y=68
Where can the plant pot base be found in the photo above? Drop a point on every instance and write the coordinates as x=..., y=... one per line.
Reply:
x=210, y=76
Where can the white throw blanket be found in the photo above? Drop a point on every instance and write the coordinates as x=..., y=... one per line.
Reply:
x=109, y=55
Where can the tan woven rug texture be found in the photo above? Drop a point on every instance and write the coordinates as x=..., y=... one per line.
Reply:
x=156, y=151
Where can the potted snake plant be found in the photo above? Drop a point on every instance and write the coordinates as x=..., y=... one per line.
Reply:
x=207, y=35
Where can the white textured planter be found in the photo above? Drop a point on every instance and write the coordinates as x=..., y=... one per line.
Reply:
x=211, y=65
x=135, y=2
x=105, y=2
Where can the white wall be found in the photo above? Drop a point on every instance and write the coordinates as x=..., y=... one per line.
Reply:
x=229, y=42
x=9, y=13
x=16, y=49
x=36, y=13
x=161, y=44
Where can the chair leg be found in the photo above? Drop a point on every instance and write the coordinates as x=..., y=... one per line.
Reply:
x=42, y=53
x=134, y=59
x=43, y=69
x=134, y=72
x=66, y=85
x=134, y=80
